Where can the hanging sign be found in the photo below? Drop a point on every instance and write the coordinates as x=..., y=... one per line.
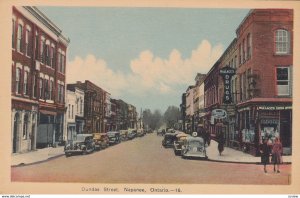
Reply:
x=227, y=72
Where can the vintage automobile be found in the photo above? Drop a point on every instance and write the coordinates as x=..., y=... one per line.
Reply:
x=131, y=134
x=180, y=137
x=101, y=140
x=124, y=134
x=82, y=144
x=140, y=132
x=193, y=147
x=114, y=137
x=168, y=140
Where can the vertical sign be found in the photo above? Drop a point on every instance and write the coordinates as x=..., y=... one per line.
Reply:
x=227, y=72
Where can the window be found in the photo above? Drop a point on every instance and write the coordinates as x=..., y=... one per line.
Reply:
x=282, y=42
x=72, y=111
x=25, y=90
x=43, y=51
x=69, y=111
x=244, y=50
x=52, y=62
x=13, y=32
x=59, y=61
x=240, y=55
x=283, y=78
x=18, y=81
x=60, y=93
x=41, y=88
x=20, y=38
x=27, y=43
x=249, y=43
x=47, y=54
x=62, y=63
x=81, y=106
x=36, y=46
x=34, y=86
x=46, y=89
x=51, y=90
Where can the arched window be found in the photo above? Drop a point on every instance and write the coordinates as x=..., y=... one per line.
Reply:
x=25, y=127
x=282, y=41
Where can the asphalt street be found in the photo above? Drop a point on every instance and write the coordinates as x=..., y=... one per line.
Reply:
x=144, y=160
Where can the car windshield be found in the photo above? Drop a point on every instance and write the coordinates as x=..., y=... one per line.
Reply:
x=80, y=138
x=194, y=143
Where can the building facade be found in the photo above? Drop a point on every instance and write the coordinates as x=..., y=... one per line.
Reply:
x=74, y=114
x=189, y=111
x=198, y=100
x=38, y=80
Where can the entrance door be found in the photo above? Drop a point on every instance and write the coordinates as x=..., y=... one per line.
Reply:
x=285, y=128
x=15, y=132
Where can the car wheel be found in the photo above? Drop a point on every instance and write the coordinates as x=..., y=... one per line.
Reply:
x=67, y=154
x=84, y=151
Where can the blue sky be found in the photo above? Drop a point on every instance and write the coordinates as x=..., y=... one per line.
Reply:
x=145, y=56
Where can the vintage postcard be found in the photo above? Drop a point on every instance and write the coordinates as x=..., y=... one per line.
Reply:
x=162, y=97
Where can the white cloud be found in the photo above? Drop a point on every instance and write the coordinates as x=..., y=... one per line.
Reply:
x=148, y=73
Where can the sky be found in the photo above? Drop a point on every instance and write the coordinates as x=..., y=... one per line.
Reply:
x=144, y=56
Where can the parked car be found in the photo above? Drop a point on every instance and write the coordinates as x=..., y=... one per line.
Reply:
x=193, y=147
x=140, y=132
x=124, y=134
x=178, y=143
x=114, y=137
x=131, y=134
x=101, y=140
x=82, y=144
x=168, y=140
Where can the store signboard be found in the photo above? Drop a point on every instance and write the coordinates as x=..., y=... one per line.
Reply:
x=219, y=113
x=227, y=72
x=265, y=107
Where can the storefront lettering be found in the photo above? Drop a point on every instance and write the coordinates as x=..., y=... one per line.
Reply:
x=227, y=72
x=274, y=107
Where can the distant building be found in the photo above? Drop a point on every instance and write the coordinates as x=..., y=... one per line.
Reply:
x=189, y=111
x=38, y=80
x=74, y=114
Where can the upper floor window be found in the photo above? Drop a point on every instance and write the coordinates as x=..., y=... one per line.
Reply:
x=25, y=89
x=249, y=47
x=13, y=32
x=40, y=88
x=51, y=90
x=282, y=42
x=28, y=49
x=20, y=38
x=34, y=87
x=52, y=60
x=18, y=81
x=283, y=81
x=36, y=46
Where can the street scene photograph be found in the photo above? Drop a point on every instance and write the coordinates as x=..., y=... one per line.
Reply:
x=151, y=95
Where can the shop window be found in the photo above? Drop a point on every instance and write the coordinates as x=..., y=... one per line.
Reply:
x=282, y=41
x=283, y=81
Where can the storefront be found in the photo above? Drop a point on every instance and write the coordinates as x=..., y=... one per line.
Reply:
x=259, y=121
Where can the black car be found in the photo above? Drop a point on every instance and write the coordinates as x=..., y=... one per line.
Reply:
x=114, y=137
x=83, y=144
x=169, y=139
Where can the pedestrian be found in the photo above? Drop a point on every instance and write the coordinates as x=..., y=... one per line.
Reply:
x=265, y=154
x=221, y=143
x=207, y=137
x=276, y=154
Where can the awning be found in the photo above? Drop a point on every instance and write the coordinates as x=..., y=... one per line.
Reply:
x=46, y=112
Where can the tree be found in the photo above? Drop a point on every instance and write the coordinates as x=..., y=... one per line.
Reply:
x=171, y=116
x=153, y=120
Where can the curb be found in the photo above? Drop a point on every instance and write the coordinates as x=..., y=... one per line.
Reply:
x=235, y=162
x=37, y=162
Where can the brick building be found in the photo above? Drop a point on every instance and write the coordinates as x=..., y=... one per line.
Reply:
x=38, y=80
x=261, y=89
x=94, y=106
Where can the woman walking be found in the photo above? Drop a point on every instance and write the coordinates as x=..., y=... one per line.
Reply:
x=265, y=154
x=276, y=154
x=221, y=142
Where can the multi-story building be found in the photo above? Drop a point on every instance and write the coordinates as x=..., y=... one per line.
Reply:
x=38, y=80
x=189, y=111
x=183, y=112
x=198, y=100
x=94, y=106
x=264, y=72
x=132, y=116
x=260, y=93
x=74, y=115
x=108, y=116
x=113, y=118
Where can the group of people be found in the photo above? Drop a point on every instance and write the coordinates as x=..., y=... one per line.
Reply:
x=275, y=153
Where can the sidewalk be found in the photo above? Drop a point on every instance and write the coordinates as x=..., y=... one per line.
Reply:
x=234, y=156
x=229, y=155
x=39, y=155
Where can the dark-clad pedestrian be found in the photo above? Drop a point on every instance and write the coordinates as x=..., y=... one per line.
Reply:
x=221, y=142
x=265, y=154
x=276, y=154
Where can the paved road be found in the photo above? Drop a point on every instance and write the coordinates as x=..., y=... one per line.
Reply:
x=144, y=160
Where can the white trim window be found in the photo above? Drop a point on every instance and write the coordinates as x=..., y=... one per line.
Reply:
x=28, y=50
x=25, y=85
x=51, y=90
x=18, y=81
x=40, y=88
x=283, y=81
x=13, y=32
x=282, y=41
x=20, y=38
x=34, y=86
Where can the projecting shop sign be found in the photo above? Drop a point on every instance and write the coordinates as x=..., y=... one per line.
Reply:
x=227, y=72
x=219, y=113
